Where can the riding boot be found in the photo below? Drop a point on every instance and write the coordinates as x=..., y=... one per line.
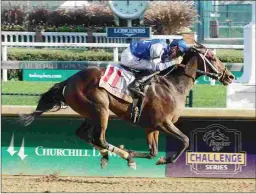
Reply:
x=139, y=79
x=135, y=86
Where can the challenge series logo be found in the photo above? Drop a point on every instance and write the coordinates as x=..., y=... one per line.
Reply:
x=216, y=150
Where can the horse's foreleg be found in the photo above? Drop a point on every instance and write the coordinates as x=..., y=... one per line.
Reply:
x=152, y=140
x=101, y=123
x=169, y=128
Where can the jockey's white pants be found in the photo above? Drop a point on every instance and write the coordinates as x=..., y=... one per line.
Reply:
x=129, y=60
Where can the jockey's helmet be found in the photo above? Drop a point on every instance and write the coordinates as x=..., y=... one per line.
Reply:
x=181, y=44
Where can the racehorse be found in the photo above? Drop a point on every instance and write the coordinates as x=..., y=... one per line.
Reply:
x=164, y=102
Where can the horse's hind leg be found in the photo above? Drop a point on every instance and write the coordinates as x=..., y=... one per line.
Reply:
x=152, y=139
x=85, y=132
x=169, y=128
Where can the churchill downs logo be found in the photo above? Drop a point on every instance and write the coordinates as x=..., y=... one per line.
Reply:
x=49, y=152
x=216, y=150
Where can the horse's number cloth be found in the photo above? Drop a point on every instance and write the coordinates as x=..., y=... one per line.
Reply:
x=115, y=80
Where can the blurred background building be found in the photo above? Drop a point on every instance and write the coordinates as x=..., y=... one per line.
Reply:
x=218, y=19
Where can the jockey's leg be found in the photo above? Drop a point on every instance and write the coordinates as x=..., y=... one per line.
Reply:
x=139, y=79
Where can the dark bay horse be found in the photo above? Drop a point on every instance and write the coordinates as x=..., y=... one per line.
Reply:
x=164, y=102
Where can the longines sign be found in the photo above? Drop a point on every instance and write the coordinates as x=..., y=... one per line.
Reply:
x=128, y=32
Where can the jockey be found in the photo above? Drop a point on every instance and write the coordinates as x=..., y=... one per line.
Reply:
x=152, y=55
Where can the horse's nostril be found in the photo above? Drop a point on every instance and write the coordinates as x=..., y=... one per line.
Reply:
x=231, y=77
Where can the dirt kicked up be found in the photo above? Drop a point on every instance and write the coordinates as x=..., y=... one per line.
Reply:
x=53, y=183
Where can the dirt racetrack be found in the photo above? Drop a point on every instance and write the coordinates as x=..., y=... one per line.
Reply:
x=54, y=183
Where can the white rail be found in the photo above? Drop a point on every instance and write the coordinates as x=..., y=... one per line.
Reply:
x=68, y=37
x=44, y=44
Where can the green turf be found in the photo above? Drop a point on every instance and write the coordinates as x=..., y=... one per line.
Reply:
x=209, y=96
x=230, y=55
x=204, y=95
x=229, y=52
x=23, y=87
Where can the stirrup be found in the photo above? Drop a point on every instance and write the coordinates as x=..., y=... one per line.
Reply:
x=137, y=109
x=137, y=92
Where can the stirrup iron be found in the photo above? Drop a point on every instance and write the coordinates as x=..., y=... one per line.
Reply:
x=137, y=92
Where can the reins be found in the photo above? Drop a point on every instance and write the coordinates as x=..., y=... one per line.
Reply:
x=216, y=75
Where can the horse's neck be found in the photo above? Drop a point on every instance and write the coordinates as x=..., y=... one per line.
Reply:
x=182, y=83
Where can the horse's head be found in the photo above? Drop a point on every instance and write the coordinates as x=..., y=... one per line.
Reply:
x=209, y=64
x=220, y=136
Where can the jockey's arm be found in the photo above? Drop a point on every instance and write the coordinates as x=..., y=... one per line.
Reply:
x=156, y=52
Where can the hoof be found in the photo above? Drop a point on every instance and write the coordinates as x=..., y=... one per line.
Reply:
x=162, y=160
x=131, y=162
x=103, y=163
x=172, y=159
x=132, y=165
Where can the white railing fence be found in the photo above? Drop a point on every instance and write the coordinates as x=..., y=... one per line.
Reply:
x=114, y=46
x=69, y=37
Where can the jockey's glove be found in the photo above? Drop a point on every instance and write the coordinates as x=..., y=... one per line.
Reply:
x=177, y=60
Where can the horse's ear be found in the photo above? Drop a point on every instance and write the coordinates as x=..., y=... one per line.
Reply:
x=197, y=44
x=195, y=48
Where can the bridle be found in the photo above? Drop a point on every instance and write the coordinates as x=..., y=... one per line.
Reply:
x=215, y=75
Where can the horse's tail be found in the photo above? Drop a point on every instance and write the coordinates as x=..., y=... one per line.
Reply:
x=53, y=98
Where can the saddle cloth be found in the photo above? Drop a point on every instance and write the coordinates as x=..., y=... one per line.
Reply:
x=116, y=80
